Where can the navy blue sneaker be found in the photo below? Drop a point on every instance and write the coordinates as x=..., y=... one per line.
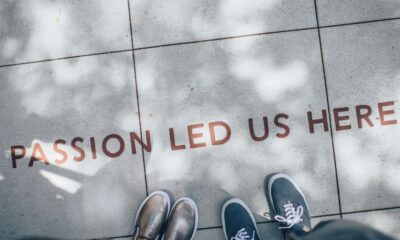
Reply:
x=238, y=221
x=288, y=204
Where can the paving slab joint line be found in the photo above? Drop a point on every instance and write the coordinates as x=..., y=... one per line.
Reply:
x=225, y=38
x=360, y=22
x=265, y=33
x=272, y=221
x=372, y=210
x=199, y=41
x=329, y=110
x=65, y=58
x=137, y=99
x=320, y=216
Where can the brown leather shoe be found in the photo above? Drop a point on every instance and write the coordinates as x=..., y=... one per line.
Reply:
x=151, y=216
x=183, y=220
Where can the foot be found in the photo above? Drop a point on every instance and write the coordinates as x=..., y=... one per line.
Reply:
x=183, y=220
x=288, y=204
x=238, y=221
x=151, y=216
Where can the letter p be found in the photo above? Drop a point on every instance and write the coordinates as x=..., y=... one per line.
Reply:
x=15, y=156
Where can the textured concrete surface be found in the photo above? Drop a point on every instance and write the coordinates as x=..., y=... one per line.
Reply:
x=43, y=102
x=286, y=66
x=387, y=221
x=341, y=12
x=184, y=21
x=242, y=79
x=266, y=230
x=362, y=66
x=37, y=30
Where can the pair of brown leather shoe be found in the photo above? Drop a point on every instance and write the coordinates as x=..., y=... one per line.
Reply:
x=156, y=220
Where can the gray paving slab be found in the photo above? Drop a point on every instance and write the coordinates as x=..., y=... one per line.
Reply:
x=232, y=81
x=161, y=22
x=74, y=196
x=387, y=221
x=38, y=30
x=215, y=233
x=362, y=69
x=316, y=220
x=266, y=230
x=338, y=12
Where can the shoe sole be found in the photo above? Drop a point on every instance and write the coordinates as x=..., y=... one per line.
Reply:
x=196, y=212
x=281, y=175
x=164, y=194
x=244, y=205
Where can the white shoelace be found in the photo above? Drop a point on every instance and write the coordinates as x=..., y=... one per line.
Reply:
x=243, y=235
x=293, y=215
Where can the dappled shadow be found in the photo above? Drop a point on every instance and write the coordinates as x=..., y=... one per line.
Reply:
x=231, y=80
x=62, y=100
x=39, y=30
x=280, y=74
x=336, y=12
x=362, y=67
x=173, y=21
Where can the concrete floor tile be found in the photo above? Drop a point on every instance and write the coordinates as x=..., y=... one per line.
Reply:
x=387, y=221
x=266, y=231
x=214, y=233
x=339, y=12
x=232, y=81
x=362, y=68
x=85, y=197
x=316, y=220
x=270, y=231
x=38, y=30
x=160, y=22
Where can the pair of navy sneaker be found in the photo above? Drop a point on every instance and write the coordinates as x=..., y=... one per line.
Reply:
x=286, y=201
